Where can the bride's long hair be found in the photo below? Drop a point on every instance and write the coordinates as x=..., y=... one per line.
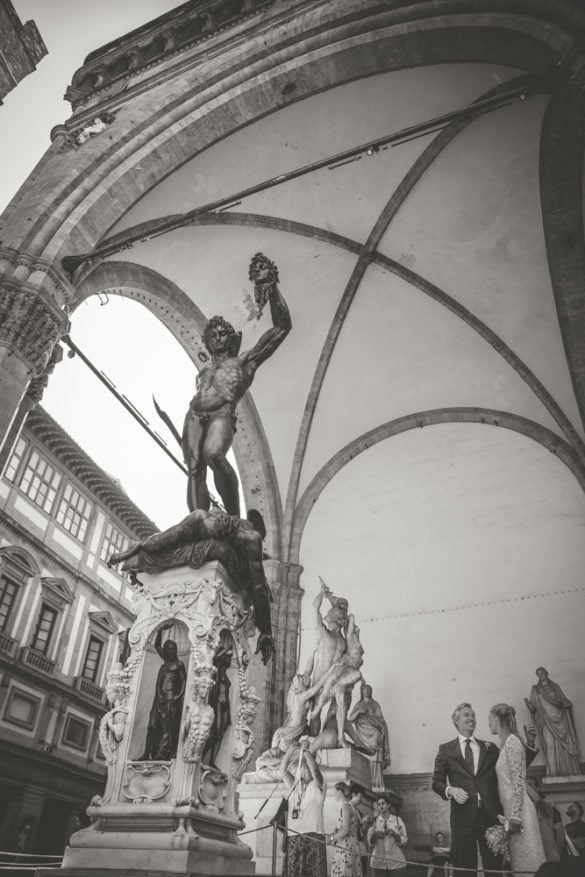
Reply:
x=506, y=716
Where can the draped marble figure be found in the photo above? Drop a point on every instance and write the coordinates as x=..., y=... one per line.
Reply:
x=552, y=713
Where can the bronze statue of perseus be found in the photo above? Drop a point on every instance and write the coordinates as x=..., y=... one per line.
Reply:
x=210, y=423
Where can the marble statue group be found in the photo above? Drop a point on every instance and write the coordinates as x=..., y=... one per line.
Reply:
x=319, y=698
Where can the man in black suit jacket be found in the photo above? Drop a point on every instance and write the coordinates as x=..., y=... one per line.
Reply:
x=465, y=774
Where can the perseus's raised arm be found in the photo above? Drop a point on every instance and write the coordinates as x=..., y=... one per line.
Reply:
x=272, y=338
x=264, y=274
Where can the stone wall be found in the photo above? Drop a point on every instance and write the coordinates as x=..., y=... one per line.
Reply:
x=21, y=48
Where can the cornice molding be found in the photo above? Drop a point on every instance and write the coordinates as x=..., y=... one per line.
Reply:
x=54, y=438
x=112, y=66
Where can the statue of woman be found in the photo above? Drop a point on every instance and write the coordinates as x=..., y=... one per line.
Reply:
x=162, y=736
x=552, y=714
x=367, y=727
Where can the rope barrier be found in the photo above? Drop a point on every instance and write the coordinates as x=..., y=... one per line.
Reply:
x=253, y=830
x=407, y=862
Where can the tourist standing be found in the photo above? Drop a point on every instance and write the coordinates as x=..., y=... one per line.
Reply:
x=356, y=793
x=386, y=836
x=346, y=855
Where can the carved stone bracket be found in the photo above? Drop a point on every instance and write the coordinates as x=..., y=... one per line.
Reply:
x=38, y=385
x=213, y=789
x=76, y=137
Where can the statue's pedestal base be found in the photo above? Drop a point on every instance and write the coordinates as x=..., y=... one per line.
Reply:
x=562, y=790
x=337, y=765
x=167, y=839
x=179, y=816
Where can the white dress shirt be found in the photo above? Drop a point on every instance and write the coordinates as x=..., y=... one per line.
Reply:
x=474, y=749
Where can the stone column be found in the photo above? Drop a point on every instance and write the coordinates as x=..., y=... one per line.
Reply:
x=283, y=579
x=32, y=397
x=33, y=302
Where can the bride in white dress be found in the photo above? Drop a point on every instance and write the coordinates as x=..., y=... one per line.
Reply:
x=526, y=849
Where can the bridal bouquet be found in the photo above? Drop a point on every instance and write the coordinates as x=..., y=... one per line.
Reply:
x=497, y=838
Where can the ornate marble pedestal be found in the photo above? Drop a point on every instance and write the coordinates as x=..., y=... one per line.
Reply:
x=176, y=816
x=562, y=790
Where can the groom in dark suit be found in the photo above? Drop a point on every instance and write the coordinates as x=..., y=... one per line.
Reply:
x=465, y=774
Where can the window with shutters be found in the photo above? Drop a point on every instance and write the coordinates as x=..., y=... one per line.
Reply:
x=44, y=630
x=93, y=657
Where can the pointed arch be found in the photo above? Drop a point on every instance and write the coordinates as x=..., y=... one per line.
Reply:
x=418, y=420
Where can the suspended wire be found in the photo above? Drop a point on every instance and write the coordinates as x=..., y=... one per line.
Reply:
x=138, y=417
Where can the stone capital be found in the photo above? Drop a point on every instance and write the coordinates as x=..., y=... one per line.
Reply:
x=30, y=323
x=282, y=574
x=36, y=274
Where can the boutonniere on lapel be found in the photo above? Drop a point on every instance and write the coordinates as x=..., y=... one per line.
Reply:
x=489, y=746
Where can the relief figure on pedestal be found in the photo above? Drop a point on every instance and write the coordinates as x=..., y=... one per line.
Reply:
x=219, y=699
x=210, y=423
x=552, y=714
x=162, y=736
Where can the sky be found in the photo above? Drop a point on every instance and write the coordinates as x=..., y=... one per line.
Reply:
x=118, y=335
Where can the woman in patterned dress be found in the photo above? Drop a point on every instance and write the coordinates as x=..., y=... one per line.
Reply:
x=526, y=849
x=346, y=852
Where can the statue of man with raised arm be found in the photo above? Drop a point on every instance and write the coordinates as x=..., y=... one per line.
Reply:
x=210, y=423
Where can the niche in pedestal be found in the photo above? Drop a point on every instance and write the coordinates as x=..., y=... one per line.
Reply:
x=147, y=687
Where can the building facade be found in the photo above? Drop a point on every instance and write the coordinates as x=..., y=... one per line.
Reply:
x=63, y=614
